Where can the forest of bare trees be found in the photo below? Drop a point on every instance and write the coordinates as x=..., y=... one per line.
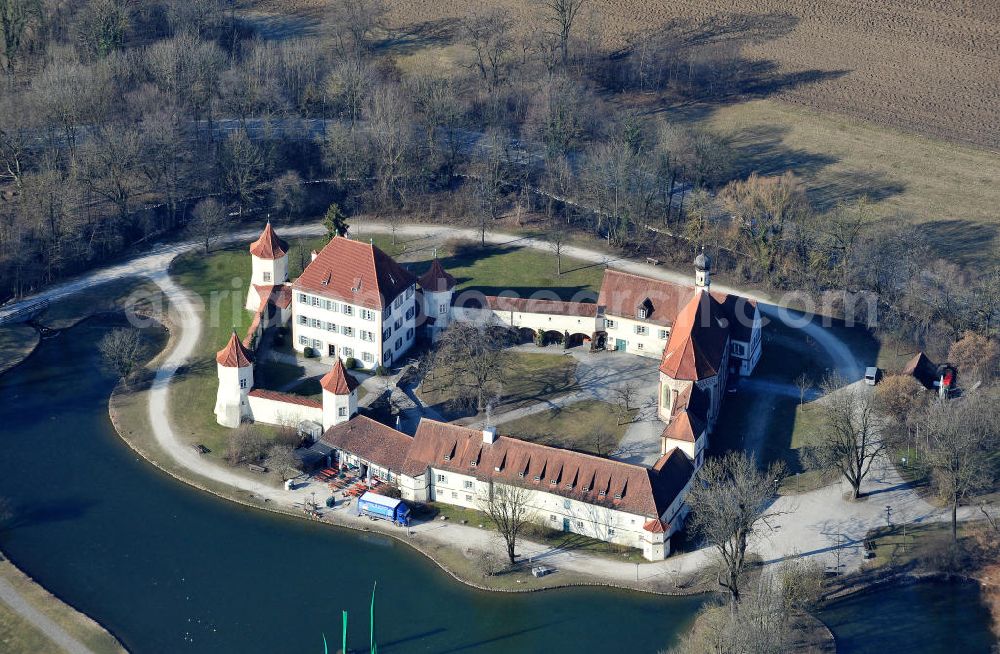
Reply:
x=117, y=117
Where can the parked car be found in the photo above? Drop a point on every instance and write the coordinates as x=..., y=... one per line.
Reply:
x=871, y=375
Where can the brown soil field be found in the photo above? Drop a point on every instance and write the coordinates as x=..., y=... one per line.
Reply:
x=927, y=66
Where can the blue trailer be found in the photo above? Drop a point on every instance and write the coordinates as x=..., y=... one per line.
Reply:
x=384, y=508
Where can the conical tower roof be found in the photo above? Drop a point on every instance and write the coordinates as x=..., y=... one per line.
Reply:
x=269, y=245
x=338, y=381
x=235, y=354
x=436, y=279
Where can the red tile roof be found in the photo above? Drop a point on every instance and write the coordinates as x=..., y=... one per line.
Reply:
x=583, y=477
x=235, y=354
x=554, y=307
x=922, y=369
x=697, y=344
x=268, y=245
x=436, y=278
x=655, y=526
x=355, y=272
x=371, y=440
x=338, y=381
x=287, y=398
x=622, y=294
x=684, y=427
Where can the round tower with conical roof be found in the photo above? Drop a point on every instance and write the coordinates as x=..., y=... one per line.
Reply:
x=269, y=257
x=340, y=395
x=436, y=287
x=234, y=364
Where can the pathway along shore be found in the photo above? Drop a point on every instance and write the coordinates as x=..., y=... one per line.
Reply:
x=815, y=523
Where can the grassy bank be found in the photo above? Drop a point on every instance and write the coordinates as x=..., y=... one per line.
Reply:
x=19, y=636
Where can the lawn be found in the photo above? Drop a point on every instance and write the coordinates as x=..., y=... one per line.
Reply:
x=588, y=426
x=543, y=535
x=497, y=268
x=220, y=279
x=894, y=546
x=16, y=343
x=529, y=378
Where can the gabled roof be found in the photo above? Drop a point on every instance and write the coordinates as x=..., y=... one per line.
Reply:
x=370, y=440
x=356, y=273
x=280, y=296
x=287, y=398
x=623, y=293
x=235, y=354
x=436, y=279
x=671, y=474
x=697, y=344
x=740, y=313
x=583, y=477
x=338, y=381
x=655, y=526
x=554, y=307
x=921, y=368
x=268, y=245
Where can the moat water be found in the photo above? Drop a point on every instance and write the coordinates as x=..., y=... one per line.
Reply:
x=167, y=568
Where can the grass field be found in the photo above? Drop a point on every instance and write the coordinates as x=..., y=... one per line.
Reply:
x=573, y=427
x=18, y=636
x=530, y=378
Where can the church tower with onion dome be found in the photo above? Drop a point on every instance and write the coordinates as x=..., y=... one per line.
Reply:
x=234, y=364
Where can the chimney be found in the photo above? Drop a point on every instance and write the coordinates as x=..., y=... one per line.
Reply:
x=489, y=431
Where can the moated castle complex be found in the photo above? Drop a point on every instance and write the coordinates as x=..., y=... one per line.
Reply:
x=354, y=303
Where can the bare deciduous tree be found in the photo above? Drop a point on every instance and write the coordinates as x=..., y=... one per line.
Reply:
x=961, y=440
x=508, y=508
x=121, y=350
x=729, y=500
x=281, y=461
x=560, y=15
x=850, y=435
x=624, y=398
x=477, y=360
x=245, y=444
x=242, y=164
x=557, y=241
x=208, y=218
x=490, y=33
x=803, y=382
x=16, y=18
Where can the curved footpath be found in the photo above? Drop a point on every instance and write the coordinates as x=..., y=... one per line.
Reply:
x=814, y=523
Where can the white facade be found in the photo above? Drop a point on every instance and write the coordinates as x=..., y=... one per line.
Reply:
x=338, y=408
x=231, y=403
x=635, y=336
x=278, y=412
x=437, y=305
x=265, y=272
x=372, y=337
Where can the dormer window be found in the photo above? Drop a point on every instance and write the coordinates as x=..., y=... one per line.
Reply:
x=537, y=478
x=618, y=496
x=601, y=494
x=641, y=314
x=521, y=474
x=473, y=464
x=586, y=489
x=552, y=482
x=569, y=486
x=447, y=457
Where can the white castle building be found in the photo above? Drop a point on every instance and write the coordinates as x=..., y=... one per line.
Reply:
x=354, y=303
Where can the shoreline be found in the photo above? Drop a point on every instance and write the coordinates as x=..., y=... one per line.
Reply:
x=52, y=602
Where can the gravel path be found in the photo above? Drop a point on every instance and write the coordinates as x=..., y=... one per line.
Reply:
x=55, y=633
x=815, y=523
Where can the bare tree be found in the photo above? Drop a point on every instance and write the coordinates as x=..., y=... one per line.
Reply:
x=111, y=161
x=508, y=508
x=976, y=357
x=208, y=218
x=104, y=25
x=961, y=439
x=729, y=500
x=356, y=23
x=121, y=350
x=281, y=460
x=490, y=33
x=624, y=397
x=494, y=174
x=849, y=437
x=245, y=444
x=803, y=382
x=287, y=193
x=557, y=241
x=16, y=19
x=477, y=360
x=242, y=165
x=560, y=15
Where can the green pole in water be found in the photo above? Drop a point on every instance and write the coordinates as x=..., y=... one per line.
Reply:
x=371, y=621
x=344, y=637
x=326, y=650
